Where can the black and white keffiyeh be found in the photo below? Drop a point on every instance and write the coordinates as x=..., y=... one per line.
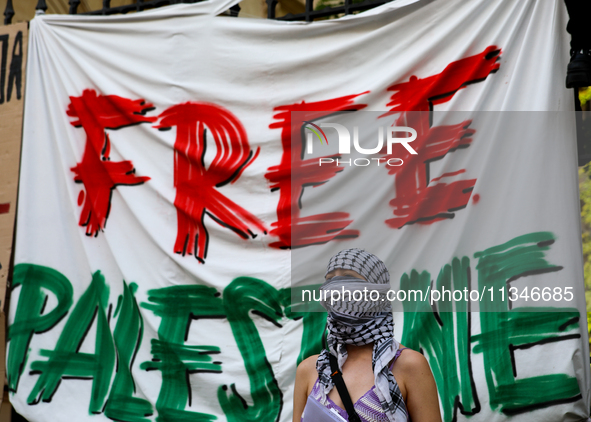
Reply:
x=359, y=323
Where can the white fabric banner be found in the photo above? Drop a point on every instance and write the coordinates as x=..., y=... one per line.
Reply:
x=161, y=235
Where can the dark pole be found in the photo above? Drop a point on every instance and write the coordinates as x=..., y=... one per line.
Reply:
x=8, y=13
x=271, y=4
x=309, y=10
x=73, y=6
x=234, y=10
x=41, y=6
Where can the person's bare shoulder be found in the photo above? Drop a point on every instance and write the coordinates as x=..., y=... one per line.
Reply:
x=412, y=365
x=306, y=374
x=308, y=366
x=411, y=361
x=421, y=391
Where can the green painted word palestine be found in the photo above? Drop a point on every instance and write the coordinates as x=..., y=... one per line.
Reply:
x=444, y=337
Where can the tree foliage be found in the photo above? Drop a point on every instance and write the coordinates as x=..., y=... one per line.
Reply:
x=585, y=197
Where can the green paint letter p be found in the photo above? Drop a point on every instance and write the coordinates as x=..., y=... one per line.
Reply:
x=35, y=282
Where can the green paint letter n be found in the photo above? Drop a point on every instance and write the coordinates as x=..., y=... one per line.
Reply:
x=444, y=336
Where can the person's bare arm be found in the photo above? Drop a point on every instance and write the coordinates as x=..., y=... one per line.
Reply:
x=421, y=392
x=305, y=377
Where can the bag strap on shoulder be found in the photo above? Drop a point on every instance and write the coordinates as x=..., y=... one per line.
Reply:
x=337, y=378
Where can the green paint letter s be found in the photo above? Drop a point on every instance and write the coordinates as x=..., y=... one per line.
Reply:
x=242, y=297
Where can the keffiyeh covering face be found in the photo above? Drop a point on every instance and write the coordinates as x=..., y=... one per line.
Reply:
x=361, y=322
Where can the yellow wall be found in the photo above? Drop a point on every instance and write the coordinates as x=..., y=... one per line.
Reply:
x=25, y=9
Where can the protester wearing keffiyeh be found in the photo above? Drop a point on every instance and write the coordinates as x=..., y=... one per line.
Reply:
x=359, y=323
